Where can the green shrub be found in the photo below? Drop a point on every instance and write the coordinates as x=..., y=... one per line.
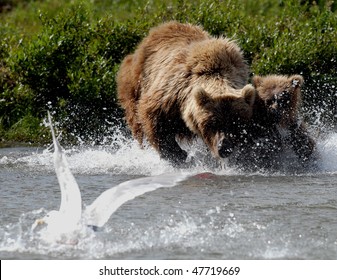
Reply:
x=27, y=130
x=69, y=66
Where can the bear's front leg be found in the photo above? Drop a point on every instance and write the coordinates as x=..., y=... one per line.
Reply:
x=170, y=150
x=160, y=124
x=302, y=144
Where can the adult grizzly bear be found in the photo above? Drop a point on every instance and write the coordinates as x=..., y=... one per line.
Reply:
x=181, y=83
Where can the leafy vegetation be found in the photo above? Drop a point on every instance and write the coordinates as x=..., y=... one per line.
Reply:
x=63, y=56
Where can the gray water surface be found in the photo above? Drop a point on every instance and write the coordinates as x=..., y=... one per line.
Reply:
x=216, y=214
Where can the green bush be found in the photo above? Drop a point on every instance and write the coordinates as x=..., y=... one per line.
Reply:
x=70, y=69
x=69, y=66
x=27, y=130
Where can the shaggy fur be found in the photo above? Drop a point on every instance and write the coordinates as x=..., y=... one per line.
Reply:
x=181, y=82
x=275, y=116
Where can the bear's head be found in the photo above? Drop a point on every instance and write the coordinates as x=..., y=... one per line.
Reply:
x=219, y=57
x=280, y=96
x=220, y=121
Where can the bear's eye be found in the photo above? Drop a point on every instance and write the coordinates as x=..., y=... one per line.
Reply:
x=279, y=99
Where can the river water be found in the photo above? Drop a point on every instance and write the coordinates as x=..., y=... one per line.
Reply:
x=215, y=213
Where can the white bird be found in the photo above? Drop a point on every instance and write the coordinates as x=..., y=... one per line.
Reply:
x=67, y=219
x=62, y=225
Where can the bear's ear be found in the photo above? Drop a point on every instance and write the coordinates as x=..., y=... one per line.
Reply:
x=201, y=96
x=296, y=81
x=257, y=81
x=249, y=94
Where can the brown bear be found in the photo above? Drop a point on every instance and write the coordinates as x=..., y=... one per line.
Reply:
x=275, y=123
x=181, y=83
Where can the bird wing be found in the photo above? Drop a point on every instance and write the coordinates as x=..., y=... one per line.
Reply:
x=99, y=212
x=71, y=202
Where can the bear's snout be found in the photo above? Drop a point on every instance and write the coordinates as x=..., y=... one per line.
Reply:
x=225, y=147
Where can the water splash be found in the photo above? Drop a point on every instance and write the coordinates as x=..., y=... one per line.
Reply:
x=178, y=232
x=327, y=150
x=126, y=157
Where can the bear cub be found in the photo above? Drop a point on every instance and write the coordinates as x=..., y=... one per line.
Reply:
x=275, y=123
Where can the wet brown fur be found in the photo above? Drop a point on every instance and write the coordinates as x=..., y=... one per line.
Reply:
x=181, y=82
x=276, y=108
